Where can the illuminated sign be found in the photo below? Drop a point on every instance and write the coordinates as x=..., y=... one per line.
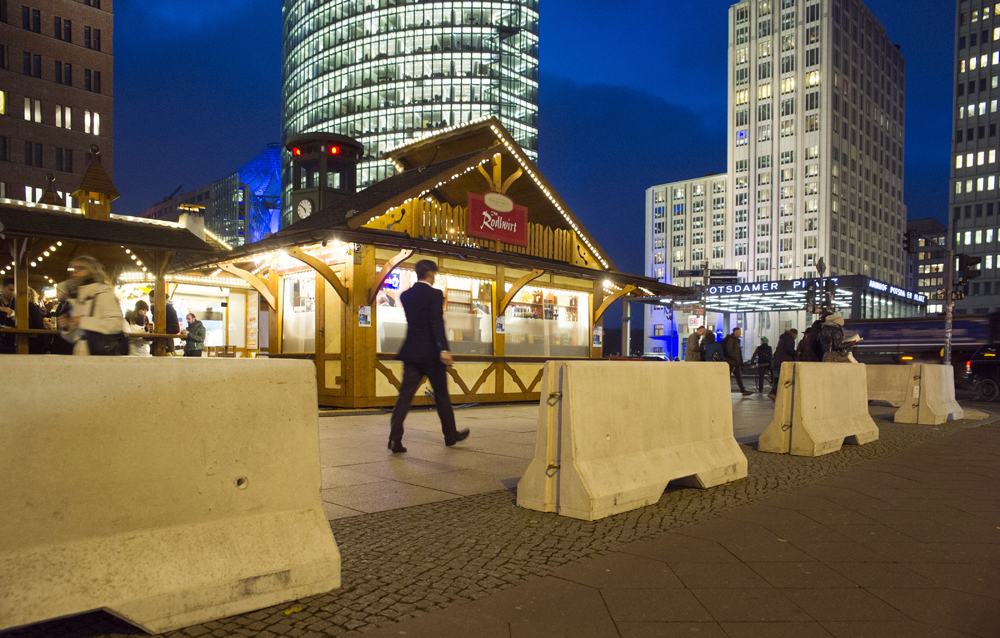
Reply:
x=495, y=216
x=764, y=286
x=893, y=290
x=392, y=281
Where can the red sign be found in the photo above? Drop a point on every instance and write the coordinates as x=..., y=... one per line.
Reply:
x=495, y=216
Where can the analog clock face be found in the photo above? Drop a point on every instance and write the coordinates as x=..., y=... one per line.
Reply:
x=305, y=208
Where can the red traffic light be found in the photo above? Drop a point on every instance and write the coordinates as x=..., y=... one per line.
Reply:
x=334, y=150
x=296, y=151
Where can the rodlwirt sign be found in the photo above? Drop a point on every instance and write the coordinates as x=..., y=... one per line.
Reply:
x=495, y=216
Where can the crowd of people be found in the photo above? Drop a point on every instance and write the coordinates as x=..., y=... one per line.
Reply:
x=823, y=341
x=88, y=320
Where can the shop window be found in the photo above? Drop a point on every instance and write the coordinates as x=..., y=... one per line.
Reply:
x=298, y=324
x=468, y=312
x=544, y=322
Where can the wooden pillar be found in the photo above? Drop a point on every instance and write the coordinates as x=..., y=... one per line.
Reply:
x=159, y=265
x=274, y=317
x=361, y=343
x=499, y=340
x=596, y=300
x=21, y=287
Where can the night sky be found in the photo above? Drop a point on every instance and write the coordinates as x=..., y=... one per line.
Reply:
x=633, y=93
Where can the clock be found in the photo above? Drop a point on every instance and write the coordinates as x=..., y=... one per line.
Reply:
x=305, y=208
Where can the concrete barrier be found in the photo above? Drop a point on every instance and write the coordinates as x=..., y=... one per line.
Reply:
x=819, y=407
x=930, y=396
x=611, y=435
x=888, y=383
x=165, y=491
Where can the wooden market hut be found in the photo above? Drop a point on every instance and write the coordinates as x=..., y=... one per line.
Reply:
x=537, y=290
x=43, y=237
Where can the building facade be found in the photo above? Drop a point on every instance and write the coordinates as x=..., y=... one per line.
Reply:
x=385, y=72
x=974, y=199
x=926, y=260
x=56, y=98
x=816, y=115
x=240, y=208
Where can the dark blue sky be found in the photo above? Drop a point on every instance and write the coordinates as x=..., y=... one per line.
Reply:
x=633, y=93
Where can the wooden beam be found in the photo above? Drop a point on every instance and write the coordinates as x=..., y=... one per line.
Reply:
x=615, y=296
x=325, y=271
x=516, y=288
x=254, y=281
x=161, y=260
x=386, y=270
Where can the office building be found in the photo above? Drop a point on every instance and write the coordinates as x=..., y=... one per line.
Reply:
x=240, y=208
x=974, y=199
x=815, y=153
x=926, y=260
x=387, y=72
x=56, y=76
x=816, y=114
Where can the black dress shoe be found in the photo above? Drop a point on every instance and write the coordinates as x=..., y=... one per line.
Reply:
x=396, y=447
x=461, y=435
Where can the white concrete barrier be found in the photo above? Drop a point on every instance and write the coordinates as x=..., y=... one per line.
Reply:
x=818, y=407
x=930, y=396
x=165, y=491
x=888, y=383
x=611, y=435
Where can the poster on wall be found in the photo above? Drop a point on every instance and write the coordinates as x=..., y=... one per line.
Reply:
x=500, y=325
x=253, y=308
x=365, y=316
x=495, y=216
x=598, y=337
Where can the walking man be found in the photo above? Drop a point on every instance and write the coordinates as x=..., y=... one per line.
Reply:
x=734, y=357
x=424, y=354
x=694, y=349
x=784, y=352
x=762, y=359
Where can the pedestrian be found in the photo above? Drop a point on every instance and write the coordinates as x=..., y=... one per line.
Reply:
x=193, y=336
x=784, y=352
x=710, y=347
x=801, y=354
x=8, y=319
x=171, y=327
x=96, y=310
x=762, y=359
x=810, y=349
x=831, y=340
x=138, y=324
x=694, y=350
x=37, y=343
x=424, y=353
x=734, y=357
x=63, y=342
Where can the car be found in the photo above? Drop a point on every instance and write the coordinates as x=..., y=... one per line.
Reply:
x=983, y=371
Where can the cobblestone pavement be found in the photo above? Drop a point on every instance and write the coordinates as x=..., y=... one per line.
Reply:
x=403, y=563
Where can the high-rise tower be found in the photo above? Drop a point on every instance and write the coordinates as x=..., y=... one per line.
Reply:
x=975, y=209
x=387, y=71
x=816, y=123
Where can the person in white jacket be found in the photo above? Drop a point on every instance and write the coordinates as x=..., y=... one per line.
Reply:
x=97, y=314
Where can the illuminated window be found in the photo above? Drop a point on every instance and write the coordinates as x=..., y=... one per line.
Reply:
x=980, y=158
x=787, y=128
x=743, y=96
x=764, y=91
x=788, y=85
x=958, y=161
x=812, y=78
x=979, y=236
x=812, y=152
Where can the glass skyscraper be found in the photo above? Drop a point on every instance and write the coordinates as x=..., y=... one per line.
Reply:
x=388, y=71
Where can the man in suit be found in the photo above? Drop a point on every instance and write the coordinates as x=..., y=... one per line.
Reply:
x=424, y=354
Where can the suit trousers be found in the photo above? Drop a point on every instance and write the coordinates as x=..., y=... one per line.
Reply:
x=413, y=374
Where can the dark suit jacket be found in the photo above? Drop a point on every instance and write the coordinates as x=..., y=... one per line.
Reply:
x=425, y=337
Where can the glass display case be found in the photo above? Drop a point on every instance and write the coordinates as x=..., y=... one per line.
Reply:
x=546, y=322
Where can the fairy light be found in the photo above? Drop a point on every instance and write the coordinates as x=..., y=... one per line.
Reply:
x=134, y=277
